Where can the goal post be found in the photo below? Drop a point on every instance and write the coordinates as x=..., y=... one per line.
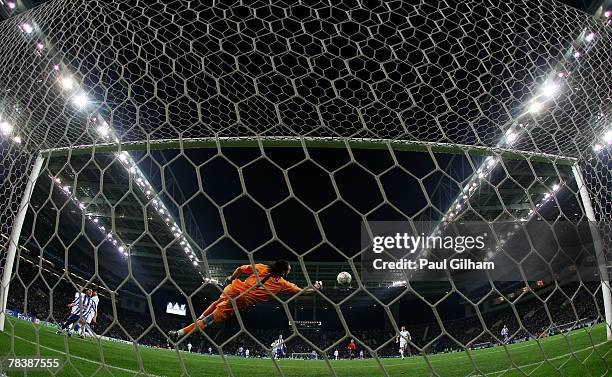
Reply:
x=288, y=141
x=13, y=242
x=598, y=248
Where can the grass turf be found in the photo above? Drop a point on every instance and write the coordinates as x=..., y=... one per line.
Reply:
x=582, y=352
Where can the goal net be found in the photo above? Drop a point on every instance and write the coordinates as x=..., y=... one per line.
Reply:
x=150, y=151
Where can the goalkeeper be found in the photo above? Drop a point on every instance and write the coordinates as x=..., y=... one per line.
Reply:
x=273, y=282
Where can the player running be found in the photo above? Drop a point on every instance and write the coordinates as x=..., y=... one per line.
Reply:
x=272, y=277
x=402, y=339
x=77, y=307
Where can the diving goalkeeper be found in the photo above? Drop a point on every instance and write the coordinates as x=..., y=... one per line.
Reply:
x=271, y=276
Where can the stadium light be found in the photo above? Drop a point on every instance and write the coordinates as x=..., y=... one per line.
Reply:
x=67, y=82
x=80, y=100
x=607, y=14
x=40, y=46
x=17, y=139
x=597, y=147
x=103, y=130
x=11, y=4
x=590, y=37
x=511, y=137
x=81, y=205
x=27, y=28
x=550, y=89
x=535, y=107
x=607, y=137
x=6, y=128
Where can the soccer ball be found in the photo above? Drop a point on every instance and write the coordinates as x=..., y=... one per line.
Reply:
x=344, y=278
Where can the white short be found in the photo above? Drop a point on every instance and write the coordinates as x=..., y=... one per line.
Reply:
x=89, y=318
x=403, y=345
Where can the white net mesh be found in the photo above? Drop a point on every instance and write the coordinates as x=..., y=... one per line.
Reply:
x=180, y=140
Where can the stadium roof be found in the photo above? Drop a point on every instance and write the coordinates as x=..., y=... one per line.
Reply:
x=130, y=219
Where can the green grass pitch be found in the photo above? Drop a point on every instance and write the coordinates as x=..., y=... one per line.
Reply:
x=582, y=352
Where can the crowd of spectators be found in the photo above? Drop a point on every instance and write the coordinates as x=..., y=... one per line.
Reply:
x=534, y=315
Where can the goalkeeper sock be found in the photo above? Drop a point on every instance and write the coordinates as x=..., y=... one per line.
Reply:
x=208, y=320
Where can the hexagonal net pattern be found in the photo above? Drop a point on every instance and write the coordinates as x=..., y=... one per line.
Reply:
x=148, y=149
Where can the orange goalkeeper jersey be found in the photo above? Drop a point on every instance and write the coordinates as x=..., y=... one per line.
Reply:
x=274, y=285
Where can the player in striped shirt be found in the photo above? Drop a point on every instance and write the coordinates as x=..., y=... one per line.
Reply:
x=278, y=347
x=77, y=306
x=90, y=314
x=504, y=334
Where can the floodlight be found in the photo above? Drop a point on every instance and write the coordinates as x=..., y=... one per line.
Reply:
x=80, y=100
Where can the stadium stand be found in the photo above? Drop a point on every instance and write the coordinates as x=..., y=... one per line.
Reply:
x=132, y=326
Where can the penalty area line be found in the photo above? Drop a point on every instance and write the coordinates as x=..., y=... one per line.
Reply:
x=105, y=365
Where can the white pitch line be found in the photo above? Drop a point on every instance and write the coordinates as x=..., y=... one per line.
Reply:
x=84, y=359
x=551, y=359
